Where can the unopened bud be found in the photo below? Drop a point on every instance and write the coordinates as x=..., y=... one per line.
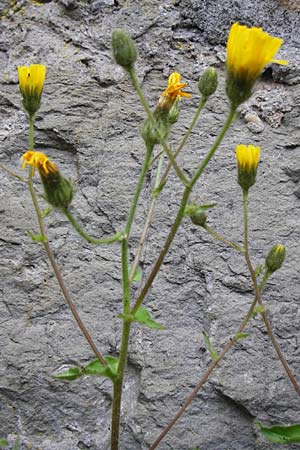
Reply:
x=208, y=82
x=154, y=132
x=124, y=50
x=275, y=258
x=174, y=113
x=197, y=213
x=199, y=218
x=58, y=190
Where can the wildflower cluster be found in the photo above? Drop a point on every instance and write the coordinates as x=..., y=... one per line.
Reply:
x=249, y=50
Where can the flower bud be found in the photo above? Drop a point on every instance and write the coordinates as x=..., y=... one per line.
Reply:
x=247, y=161
x=275, y=258
x=199, y=218
x=208, y=82
x=197, y=213
x=174, y=113
x=152, y=133
x=58, y=190
x=31, y=82
x=124, y=50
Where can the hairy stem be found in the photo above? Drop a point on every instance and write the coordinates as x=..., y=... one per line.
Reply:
x=185, y=138
x=116, y=237
x=180, y=212
x=231, y=342
x=58, y=274
x=31, y=132
x=13, y=174
x=259, y=299
x=147, y=223
x=220, y=238
x=164, y=250
x=118, y=383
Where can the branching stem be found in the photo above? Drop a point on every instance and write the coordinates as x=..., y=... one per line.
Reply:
x=116, y=237
x=259, y=299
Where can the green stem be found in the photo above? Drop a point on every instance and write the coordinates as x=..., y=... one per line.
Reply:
x=117, y=237
x=221, y=238
x=164, y=250
x=13, y=174
x=58, y=274
x=51, y=256
x=151, y=118
x=259, y=299
x=118, y=383
x=212, y=151
x=147, y=223
x=140, y=182
x=185, y=138
x=180, y=213
x=231, y=342
x=31, y=132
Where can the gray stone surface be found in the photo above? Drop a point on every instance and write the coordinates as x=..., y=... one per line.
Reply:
x=88, y=125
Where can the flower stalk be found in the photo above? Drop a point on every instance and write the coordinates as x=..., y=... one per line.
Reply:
x=259, y=299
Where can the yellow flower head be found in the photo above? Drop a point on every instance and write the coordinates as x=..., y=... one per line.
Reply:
x=173, y=92
x=247, y=161
x=58, y=190
x=40, y=161
x=249, y=50
x=31, y=82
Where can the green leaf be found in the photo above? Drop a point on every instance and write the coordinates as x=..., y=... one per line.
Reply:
x=210, y=348
x=143, y=316
x=46, y=211
x=137, y=275
x=193, y=209
x=37, y=237
x=241, y=335
x=3, y=443
x=95, y=368
x=281, y=434
x=71, y=374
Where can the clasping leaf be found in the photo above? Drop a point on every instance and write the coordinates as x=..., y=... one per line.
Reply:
x=281, y=434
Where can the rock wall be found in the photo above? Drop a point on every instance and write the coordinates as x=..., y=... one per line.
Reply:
x=88, y=124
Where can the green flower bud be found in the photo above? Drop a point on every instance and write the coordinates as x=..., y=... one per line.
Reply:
x=124, y=50
x=174, y=113
x=208, y=82
x=152, y=133
x=275, y=258
x=197, y=213
x=58, y=190
x=199, y=218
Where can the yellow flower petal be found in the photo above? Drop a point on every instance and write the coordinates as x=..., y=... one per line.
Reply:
x=38, y=160
x=249, y=50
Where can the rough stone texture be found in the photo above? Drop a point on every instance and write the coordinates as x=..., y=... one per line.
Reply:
x=88, y=124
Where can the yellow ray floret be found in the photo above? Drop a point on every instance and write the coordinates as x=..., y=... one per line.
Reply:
x=38, y=160
x=249, y=50
x=31, y=78
x=247, y=157
x=173, y=91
